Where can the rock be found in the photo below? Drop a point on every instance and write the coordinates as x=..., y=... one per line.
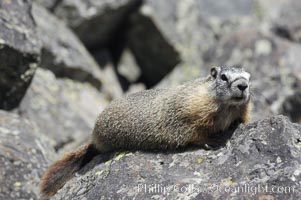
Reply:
x=291, y=60
x=128, y=68
x=283, y=18
x=271, y=61
x=141, y=54
x=63, y=110
x=194, y=26
x=19, y=51
x=155, y=56
x=292, y=107
x=95, y=22
x=174, y=17
x=117, y=25
x=49, y=4
x=67, y=57
x=182, y=24
x=62, y=51
x=111, y=85
x=265, y=153
x=24, y=155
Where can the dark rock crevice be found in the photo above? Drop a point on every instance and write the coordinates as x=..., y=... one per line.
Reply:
x=61, y=70
x=93, y=37
x=19, y=51
x=16, y=75
x=54, y=5
x=282, y=32
x=292, y=107
x=155, y=56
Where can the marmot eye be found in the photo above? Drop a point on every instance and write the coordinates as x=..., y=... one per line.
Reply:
x=224, y=77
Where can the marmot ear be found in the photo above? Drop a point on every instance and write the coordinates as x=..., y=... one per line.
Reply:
x=213, y=72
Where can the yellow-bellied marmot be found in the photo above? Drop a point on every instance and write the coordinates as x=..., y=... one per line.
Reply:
x=161, y=119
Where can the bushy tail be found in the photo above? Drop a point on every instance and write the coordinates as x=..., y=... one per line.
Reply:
x=64, y=169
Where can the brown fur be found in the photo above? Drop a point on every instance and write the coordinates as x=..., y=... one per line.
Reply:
x=64, y=169
x=210, y=116
x=152, y=120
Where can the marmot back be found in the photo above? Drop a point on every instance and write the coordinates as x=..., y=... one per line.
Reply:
x=160, y=119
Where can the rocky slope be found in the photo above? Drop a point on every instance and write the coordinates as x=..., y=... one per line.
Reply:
x=62, y=61
x=25, y=153
x=263, y=157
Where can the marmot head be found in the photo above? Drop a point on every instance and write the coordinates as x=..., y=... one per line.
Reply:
x=231, y=85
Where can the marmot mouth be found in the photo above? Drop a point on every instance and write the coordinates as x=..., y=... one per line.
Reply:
x=238, y=98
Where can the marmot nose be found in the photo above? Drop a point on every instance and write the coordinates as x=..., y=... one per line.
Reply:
x=242, y=86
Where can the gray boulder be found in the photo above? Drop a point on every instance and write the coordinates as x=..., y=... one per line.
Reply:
x=63, y=109
x=62, y=52
x=19, y=51
x=154, y=55
x=117, y=25
x=24, y=155
x=261, y=160
x=95, y=22
x=283, y=18
x=49, y=4
x=292, y=106
x=196, y=26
